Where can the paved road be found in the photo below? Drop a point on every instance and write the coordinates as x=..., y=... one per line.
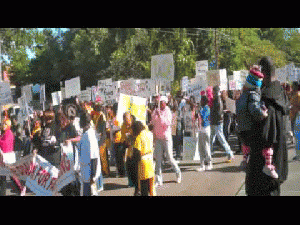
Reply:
x=226, y=179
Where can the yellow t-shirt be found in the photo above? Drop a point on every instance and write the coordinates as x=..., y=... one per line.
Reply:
x=144, y=143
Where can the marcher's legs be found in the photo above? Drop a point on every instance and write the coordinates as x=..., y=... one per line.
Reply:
x=158, y=156
x=168, y=146
x=221, y=138
x=204, y=146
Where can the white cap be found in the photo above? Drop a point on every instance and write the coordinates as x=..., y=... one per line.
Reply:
x=164, y=98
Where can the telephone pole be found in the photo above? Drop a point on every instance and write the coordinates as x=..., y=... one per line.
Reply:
x=216, y=50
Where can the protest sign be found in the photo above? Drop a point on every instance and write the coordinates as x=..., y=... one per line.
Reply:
x=5, y=93
x=42, y=93
x=72, y=87
x=196, y=85
x=201, y=68
x=41, y=177
x=136, y=105
x=85, y=95
x=217, y=78
x=27, y=91
x=190, y=148
x=162, y=67
x=56, y=98
x=184, y=83
x=22, y=168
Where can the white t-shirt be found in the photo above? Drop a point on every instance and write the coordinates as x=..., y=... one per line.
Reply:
x=88, y=149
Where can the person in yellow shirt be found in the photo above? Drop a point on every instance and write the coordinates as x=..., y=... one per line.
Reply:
x=143, y=146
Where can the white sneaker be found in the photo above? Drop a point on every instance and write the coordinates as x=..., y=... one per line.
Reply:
x=209, y=166
x=178, y=175
x=201, y=169
x=23, y=192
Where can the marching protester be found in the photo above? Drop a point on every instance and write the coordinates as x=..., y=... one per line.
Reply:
x=204, y=136
x=161, y=121
x=89, y=159
x=143, y=147
x=216, y=119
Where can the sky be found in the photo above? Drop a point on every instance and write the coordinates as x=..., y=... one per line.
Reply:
x=31, y=54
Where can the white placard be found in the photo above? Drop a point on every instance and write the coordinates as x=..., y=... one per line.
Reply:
x=72, y=87
x=56, y=98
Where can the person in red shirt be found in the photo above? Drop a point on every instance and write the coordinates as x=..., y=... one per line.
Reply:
x=7, y=146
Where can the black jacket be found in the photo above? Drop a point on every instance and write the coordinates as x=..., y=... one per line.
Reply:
x=216, y=114
x=271, y=133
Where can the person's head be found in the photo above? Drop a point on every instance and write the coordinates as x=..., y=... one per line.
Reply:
x=255, y=78
x=63, y=121
x=137, y=128
x=295, y=86
x=163, y=102
x=267, y=68
x=204, y=100
x=49, y=116
x=85, y=120
x=224, y=95
x=6, y=124
x=127, y=118
x=216, y=91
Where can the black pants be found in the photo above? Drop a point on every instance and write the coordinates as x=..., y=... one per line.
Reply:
x=120, y=154
x=145, y=187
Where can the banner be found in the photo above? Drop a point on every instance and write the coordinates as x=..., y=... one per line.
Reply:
x=136, y=105
x=42, y=178
x=162, y=67
x=72, y=87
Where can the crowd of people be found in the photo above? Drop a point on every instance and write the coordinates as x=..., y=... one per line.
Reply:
x=258, y=115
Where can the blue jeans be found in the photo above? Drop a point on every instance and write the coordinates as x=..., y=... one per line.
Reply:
x=217, y=131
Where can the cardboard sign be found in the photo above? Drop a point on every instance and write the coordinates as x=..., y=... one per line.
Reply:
x=217, y=78
x=190, y=148
x=201, y=67
x=162, y=67
x=136, y=105
x=56, y=98
x=72, y=87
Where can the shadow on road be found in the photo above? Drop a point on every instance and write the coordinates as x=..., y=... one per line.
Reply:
x=228, y=169
x=113, y=186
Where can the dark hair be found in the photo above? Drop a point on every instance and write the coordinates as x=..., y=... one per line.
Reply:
x=204, y=99
x=137, y=128
x=267, y=66
x=85, y=120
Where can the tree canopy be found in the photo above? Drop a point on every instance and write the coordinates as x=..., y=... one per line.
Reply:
x=121, y=53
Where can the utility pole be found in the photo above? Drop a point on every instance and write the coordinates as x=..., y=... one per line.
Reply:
x=216, y=50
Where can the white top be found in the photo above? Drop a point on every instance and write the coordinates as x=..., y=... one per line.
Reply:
x=88, y=149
